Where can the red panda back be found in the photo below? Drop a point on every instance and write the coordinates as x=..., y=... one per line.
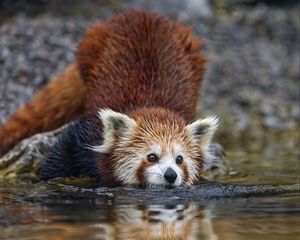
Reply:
x=138, y=60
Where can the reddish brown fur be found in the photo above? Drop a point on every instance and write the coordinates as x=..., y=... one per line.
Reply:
x=105, y=168
x=186, y=174
x=141, y=60
x=136, y=60
x=140, y=172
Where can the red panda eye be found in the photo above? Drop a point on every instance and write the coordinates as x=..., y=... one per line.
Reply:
x=152, y=158
x=179, y=159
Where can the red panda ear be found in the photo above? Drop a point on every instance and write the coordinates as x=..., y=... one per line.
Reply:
x=114, y=124
x=202, y=130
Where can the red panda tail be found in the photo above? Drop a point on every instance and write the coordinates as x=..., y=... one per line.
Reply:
x=59, y=102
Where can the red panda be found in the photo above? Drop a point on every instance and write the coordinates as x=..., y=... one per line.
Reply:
x=135, y=84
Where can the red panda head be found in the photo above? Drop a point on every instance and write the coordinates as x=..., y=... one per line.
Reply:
x=154, y=146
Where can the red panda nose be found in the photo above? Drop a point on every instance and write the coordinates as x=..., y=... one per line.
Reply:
x=170, y=175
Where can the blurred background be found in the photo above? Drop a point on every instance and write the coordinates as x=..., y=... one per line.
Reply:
x=252, y=79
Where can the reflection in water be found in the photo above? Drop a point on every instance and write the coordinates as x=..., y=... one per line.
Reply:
x=152, y=222
x=163, y=222
x=37, y=212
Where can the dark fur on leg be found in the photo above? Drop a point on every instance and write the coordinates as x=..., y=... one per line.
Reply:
x=71, y=157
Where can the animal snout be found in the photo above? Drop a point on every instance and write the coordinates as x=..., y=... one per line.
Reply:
x=170, y=175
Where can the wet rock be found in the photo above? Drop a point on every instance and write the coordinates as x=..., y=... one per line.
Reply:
x=25, y=159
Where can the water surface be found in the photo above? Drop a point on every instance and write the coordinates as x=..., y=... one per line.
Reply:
x=59, y=211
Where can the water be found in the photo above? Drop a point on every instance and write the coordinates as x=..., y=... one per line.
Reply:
x=60, y=211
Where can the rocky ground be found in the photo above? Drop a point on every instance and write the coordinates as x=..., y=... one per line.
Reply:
x=252, y=79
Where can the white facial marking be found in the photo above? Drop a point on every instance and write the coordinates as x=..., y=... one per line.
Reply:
x=155, y=174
